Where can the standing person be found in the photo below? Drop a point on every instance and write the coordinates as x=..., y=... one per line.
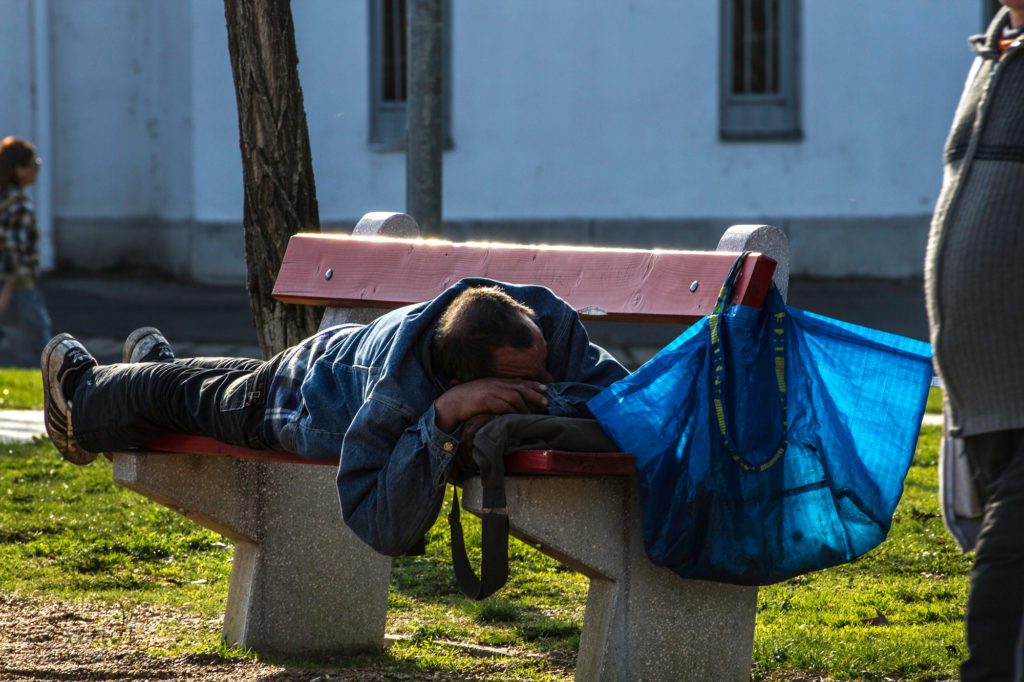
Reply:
x=976, y=315
x=24, y=322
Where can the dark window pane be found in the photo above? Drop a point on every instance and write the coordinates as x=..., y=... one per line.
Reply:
x=758, y=47
x=739, y=47
x=393, y=51
x=773, y=48
x=755, y=47
x=759, y=96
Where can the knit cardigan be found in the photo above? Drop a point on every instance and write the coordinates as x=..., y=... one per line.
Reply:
x=974, y=282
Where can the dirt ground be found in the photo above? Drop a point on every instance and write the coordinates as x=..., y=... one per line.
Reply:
x=86, y=642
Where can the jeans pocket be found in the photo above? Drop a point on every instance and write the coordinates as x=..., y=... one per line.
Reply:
x=243, y=393
x=242, y=412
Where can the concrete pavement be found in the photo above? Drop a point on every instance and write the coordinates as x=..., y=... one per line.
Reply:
x=102, y=309
x=21, y=425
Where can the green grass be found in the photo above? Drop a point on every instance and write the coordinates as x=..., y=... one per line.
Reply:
x=895, y=612
x=69, y=533
x=21, y=389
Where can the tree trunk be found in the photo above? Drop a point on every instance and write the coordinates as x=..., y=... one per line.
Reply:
x=277, y=165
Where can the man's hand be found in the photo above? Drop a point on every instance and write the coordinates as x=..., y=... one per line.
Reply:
x=489, y=395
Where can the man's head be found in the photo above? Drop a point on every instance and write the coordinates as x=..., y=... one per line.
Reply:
x=484, y=332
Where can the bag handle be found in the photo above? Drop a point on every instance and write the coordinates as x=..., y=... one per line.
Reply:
x=493, y=548
x=725, y=293
x=493, y=530
x=778, y=341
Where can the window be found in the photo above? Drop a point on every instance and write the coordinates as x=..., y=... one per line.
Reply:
x=759, y=70
x=388, y=70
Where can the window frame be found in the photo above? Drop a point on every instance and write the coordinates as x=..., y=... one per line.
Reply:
x=387, y=117
x=762, y=117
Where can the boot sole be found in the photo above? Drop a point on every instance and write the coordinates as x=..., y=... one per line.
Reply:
x=68, y=449
x=135, y=339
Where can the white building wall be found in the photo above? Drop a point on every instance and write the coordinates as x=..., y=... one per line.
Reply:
x=217, y=180
x=118, y=126
x=610, y=109
x=582, y=113
x=25, y=83
x=878, y=102
x=575, y=120
x=122, y=130
x=217, y=247
x=16, y=48
x=570, y=109
x=333, y=46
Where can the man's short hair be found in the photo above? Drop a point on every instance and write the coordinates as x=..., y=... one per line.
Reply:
x=474, y=324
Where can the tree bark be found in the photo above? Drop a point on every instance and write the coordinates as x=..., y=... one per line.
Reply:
x=277, y=164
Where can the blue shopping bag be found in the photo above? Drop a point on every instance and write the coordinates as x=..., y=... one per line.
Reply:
x=769, y=442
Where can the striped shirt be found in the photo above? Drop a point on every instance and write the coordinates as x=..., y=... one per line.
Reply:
x=284, y=400
x=19, y=237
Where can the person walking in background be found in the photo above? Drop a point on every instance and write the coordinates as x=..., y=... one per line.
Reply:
x=24, y=322
x=976, y=317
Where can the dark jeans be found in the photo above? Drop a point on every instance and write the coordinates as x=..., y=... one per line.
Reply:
x=24, y=329
x=126, y=405
x=995, y=607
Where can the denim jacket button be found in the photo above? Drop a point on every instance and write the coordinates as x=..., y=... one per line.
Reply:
x=448, y=447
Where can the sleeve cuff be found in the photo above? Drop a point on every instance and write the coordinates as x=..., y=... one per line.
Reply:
x=442, y=445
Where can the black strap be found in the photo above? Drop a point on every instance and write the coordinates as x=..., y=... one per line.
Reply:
x=493, y=529
x=508, y=433
x=493, y=545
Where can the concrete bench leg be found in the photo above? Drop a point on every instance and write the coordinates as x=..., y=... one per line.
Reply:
x=301, y=583
x=642, y=621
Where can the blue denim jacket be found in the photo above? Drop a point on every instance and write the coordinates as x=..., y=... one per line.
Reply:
x=370, y=397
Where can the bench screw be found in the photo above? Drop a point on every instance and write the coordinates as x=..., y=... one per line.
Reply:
x=329, y=273
x=693, y=287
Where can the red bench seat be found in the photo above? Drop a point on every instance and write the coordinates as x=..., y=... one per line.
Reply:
x=523, y=462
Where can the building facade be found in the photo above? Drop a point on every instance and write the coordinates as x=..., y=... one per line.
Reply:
x=649, y=123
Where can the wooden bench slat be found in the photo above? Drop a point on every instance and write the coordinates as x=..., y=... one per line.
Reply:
x=609, y=284
x=570, y=463
x=203, y=445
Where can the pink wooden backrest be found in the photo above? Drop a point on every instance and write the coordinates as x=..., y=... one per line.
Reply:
x=604, y=283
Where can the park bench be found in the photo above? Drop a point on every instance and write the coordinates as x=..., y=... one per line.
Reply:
x=303, y=584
